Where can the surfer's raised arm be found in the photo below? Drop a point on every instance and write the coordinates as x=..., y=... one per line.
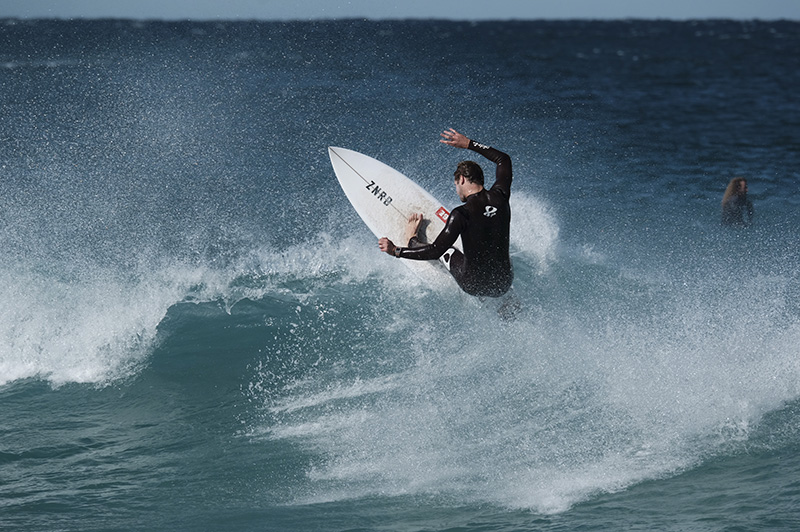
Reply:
x=503, y=177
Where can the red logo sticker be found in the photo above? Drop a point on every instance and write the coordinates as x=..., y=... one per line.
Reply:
x=443, y=214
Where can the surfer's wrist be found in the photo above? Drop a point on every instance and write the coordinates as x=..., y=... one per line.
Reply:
x=397, y=251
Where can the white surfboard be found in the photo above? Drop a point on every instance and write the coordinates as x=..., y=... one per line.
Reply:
x=385, y=198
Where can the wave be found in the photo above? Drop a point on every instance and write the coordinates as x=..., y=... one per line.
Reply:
x=79, y=311
x=614, y=373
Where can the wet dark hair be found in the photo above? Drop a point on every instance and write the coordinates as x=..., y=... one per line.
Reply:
x=471, y=171
x=733, y=188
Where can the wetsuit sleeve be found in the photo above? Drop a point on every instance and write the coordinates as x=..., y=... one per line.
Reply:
x=445, y=240
x=503, y=162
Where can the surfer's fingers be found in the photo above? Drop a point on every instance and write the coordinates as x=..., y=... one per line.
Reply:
x=449, y=133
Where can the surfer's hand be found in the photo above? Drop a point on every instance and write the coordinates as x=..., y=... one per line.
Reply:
x=454, y=138
x=412, y=226
x=386, y=245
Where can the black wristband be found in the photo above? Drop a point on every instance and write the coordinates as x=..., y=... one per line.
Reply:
x=397, y=251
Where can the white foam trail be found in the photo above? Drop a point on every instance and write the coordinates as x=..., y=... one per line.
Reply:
x=337, y=392
x=552, y=409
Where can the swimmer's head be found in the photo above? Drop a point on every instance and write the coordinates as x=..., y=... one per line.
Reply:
x=736, y=187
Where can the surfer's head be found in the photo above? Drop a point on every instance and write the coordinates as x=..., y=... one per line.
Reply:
x=471, y=171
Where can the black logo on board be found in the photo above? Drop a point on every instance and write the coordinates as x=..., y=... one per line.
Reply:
x=378, y=193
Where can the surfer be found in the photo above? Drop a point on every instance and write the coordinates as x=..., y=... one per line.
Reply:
x=483, y=223
x=735, y=205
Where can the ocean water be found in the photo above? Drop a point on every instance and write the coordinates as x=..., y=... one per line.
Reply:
x=199, y=333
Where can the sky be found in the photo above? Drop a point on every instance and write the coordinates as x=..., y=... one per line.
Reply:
x=400, y=9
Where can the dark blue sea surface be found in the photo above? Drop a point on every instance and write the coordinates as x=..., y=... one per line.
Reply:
x=199, y=333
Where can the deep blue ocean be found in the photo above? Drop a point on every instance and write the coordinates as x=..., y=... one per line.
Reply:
x=198, y=333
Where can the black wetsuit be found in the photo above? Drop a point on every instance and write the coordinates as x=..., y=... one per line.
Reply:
x=483, y=222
